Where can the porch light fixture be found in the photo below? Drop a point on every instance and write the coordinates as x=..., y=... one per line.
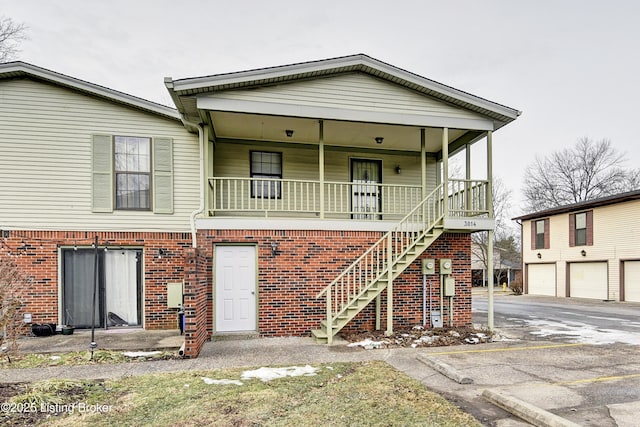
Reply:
x=379, y=139
x=274, y=248
x=583, y=252
x=289, y=133
x=539, y=255
x=398, y=169
x=161, y=252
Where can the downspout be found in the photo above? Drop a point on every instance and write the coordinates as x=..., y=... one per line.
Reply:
x=192, y=217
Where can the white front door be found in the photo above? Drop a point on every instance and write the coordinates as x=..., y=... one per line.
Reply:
x=235, y=283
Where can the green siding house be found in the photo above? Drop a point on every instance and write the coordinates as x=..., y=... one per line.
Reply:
x=292, y=200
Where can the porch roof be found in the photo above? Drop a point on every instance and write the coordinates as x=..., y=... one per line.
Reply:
x=186, y=91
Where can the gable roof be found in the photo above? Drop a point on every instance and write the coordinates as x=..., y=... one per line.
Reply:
x=19, y=69
x=327, y=67
x=602, y=201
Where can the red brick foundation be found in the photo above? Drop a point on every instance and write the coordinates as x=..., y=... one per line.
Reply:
x=288, y=282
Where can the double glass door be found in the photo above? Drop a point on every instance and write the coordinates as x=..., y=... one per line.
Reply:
x=118, y=291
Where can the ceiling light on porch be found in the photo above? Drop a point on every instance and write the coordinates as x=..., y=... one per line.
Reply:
x=289, y=133
x=379, y=139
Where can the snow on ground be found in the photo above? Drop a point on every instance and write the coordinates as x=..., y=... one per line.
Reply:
x=141, y=353
x=268, y=374
x=367, y=344
x=220, y=382
x=583, y=332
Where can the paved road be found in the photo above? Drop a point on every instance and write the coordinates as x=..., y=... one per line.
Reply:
x=561, y=320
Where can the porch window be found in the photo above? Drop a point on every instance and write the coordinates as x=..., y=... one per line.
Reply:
x=133, y=170
x=267, y=166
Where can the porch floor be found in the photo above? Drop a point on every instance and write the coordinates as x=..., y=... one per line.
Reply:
x=111, y=339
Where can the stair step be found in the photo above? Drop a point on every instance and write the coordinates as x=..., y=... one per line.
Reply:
x=320, y=336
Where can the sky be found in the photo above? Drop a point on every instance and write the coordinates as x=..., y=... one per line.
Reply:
x=571, y=67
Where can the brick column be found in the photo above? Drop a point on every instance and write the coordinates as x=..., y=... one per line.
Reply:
x=195, y=302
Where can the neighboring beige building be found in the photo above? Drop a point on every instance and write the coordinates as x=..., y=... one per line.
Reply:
x=587, y=250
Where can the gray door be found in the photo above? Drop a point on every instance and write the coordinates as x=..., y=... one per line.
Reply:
x=366, y=176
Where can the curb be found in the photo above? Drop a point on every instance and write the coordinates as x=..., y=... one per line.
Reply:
x=444, y=369
x=526, y=411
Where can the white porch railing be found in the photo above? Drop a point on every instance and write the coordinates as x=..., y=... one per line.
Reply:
x=363, y=201
x=468, y=197
x=271, y=197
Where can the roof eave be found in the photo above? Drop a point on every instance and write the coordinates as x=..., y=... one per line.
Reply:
x=23, y=69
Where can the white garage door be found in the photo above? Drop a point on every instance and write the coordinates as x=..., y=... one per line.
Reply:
x=632, y=281
x=235, y=276
x=542, y=279
x=588, y=280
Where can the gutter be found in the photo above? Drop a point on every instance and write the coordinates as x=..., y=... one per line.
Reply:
x=192, y=216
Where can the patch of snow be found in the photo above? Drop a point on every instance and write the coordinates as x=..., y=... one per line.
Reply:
x=367, y=344
x=55, y=357
x=141, y=353
x=210, y=381
x=268, y=374
x=583, y=332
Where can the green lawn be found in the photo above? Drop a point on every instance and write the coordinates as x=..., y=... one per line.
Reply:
x=340, y=394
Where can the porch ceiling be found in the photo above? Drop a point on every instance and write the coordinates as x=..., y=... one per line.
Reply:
x=256, y=127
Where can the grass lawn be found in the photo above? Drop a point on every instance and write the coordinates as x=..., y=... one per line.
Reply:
x=340, y=394
x=41, y=360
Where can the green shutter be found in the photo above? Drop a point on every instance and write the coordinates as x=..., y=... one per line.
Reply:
x=101, y=169
x=163, y=175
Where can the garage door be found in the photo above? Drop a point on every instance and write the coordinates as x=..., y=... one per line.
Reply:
x=588, y=280
x=632, y=281
x=541, y=279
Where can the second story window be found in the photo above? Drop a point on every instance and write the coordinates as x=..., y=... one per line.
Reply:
x=581, y=229
x=540, y=234
x=268, y=167
x=132, y=172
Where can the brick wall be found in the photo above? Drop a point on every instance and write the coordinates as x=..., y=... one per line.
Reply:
x=36, y=253
x=195, y=301
x=307, y=261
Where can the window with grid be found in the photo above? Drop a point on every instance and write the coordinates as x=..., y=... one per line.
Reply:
x=580, y=229
x=267, y=167
x=540, y=234
x=132, y=172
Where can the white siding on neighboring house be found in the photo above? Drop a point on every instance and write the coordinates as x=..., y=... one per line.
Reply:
x=355, y=92
x=45, y=160
x=616, y=233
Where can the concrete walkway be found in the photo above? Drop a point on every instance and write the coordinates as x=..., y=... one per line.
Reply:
x=502, y=367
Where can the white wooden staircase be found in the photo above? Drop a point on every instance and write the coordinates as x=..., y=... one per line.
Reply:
x=369, y=275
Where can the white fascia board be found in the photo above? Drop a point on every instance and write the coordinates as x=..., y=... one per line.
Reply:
x=306, y=111
x=21, y=68
x=229, y=223
x=388, y=71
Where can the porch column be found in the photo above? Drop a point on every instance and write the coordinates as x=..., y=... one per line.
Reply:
x=467, y=185
x=423, y=162
x=445, y=171
x=490, y=237
x=321, y=166
x=207, y=171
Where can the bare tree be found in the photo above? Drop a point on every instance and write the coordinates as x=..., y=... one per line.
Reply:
x=12, y=287
x=586, y=171
x=11, y=34
x=504, y=233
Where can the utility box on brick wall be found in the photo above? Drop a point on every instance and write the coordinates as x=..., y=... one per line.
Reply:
x=174, y=295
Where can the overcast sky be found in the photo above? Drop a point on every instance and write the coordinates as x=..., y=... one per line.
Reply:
x=571, y=67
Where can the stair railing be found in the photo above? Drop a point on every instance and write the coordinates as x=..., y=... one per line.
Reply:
x=372, y=264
